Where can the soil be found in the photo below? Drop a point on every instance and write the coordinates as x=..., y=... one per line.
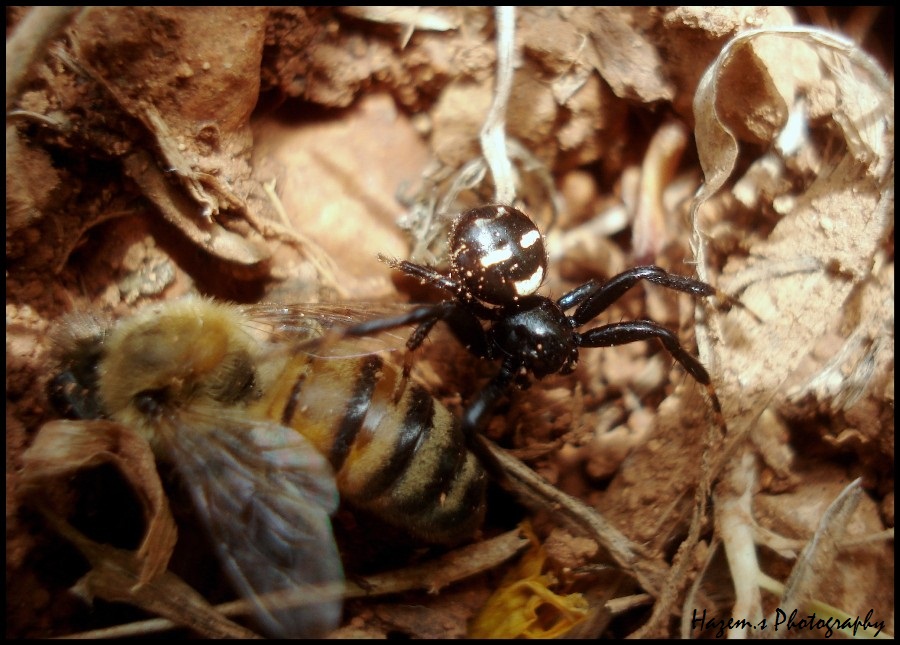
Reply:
x=272, y=155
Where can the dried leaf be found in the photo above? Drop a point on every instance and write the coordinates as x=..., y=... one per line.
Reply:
x=622, y=53
x=716, y=142
x=821, y=551
x=185, y=214
x=115, y=576
x=62, y=448
x=803, y=278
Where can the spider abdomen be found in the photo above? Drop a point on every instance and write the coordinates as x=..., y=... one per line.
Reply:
x=498, y=253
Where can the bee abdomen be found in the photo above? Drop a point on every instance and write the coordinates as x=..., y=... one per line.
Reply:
x=405, y=461
x=432, y=484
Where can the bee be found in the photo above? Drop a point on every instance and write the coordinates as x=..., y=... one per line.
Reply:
x=266, y=421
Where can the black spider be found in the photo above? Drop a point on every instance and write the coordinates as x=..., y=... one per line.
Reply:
x=497, y=263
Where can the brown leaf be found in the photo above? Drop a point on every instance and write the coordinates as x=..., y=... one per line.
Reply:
x=62, y=448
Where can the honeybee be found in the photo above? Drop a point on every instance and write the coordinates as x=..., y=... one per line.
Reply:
x=267, y=416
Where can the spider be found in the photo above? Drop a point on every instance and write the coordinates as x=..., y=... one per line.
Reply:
x=497, y=263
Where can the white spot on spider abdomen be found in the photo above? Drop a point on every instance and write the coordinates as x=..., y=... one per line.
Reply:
x=529, y=238
x=495, y=257
x=530, y=285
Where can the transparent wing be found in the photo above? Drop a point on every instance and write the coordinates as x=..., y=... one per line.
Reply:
x=318, y=326
x=265, y=495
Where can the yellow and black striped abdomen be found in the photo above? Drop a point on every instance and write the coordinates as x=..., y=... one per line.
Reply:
x=405, y=461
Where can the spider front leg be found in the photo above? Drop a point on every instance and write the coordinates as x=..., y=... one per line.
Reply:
x=424, y=317
x=427, y=275
x=462, y=314
x=465, y=327
x=592, y=298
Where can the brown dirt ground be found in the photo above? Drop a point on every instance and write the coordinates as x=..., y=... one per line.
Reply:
x=255, y=154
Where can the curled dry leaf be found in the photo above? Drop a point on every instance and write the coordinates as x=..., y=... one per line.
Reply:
x=175, y=114
x=177, y=208
x=140, y=578
x=62, y=448
x=803, y=280
x=115, y=576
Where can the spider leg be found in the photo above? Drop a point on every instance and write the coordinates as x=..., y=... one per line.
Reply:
x=577, y=295
x=479, y=406
x=427, y=275
x=628, y=332
x=465, y=327
x=593, y=298
x=462, y=323
x=426, y=316
x=476, y=411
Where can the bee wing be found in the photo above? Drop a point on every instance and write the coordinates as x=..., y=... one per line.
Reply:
x=307, y=324
x=265, y=494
